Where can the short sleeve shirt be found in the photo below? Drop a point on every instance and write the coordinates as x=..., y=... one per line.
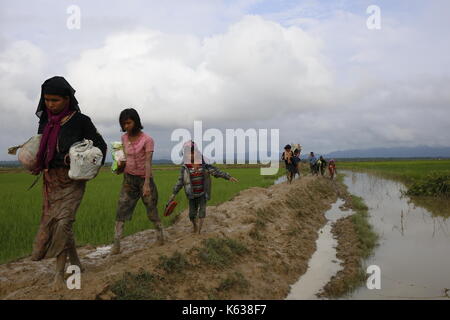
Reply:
x=135, y=153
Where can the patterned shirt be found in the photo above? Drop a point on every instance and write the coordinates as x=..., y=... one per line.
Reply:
x=197, y=180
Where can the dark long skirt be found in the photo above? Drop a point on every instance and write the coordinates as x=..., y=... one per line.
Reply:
x=61, y=199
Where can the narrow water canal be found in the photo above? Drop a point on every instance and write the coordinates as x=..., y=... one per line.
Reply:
x=414, y=246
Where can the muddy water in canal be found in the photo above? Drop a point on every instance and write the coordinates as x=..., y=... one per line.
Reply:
x=414, y=247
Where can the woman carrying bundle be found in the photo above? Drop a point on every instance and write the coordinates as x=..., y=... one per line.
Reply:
x=61, y=124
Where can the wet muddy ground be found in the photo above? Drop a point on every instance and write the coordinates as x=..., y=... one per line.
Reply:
x=324, y=263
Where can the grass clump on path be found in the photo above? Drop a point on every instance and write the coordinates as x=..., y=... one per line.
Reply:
x=220, y=252
x=140, y=286
x=177, y=263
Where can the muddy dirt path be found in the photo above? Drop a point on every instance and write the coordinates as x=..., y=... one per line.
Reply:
x=278, y=225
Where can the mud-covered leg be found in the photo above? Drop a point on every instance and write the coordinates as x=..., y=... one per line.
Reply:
x=58, y=281
x=117, y=236
x=193, y=214
x=201, y=212
x=151, y=203
x=194, y=226
x=159, y=233
x=128, y=198
x=200, y=225
x=74, y=259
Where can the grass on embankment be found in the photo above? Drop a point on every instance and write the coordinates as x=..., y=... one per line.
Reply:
x=356, y=242
x=215, y=252
x=422, y=177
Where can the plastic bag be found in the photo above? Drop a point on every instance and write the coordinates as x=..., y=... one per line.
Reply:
x=118, y=154
x=27, y=152
x=85, y=160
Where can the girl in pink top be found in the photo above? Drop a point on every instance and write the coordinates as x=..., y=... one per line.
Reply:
x=136, y=152
x=138, y=179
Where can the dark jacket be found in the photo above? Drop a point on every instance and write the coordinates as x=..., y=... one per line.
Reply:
x=77, y=128
x=184, y=180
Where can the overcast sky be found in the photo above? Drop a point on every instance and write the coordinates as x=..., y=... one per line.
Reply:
x=311, y=69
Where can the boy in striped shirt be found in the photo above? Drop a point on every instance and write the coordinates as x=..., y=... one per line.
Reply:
x=195, y=177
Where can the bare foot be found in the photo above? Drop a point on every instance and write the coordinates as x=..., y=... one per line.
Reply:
x=116, y=247
x=160, y=238
x=200, y=225
x=58, y=282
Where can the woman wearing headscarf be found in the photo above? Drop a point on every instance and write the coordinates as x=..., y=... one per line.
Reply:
x=61, y=124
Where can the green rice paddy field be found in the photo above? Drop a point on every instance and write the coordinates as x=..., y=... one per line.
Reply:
x=409, y=171
x=20, y=210
x=427, y=181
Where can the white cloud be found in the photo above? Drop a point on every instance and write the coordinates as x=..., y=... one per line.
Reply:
x=21, y=65
x=254, y=70
x=321, y=77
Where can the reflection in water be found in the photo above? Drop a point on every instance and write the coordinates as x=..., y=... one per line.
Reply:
x=402, y=227
x=323, y=264
x=414, y=251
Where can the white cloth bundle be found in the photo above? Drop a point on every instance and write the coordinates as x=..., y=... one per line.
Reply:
x=27, y=152
x=85, y=160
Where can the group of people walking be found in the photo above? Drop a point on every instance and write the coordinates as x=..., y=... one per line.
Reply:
x=318, y=166
x=62, y=124
x=291, y=158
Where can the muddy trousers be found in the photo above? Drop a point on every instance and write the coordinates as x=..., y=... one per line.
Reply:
x=131, y=192
x=197, y=206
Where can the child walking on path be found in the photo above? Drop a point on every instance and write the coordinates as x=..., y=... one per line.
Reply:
x=195, y=178
x=138, y=179
x=332, y=168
